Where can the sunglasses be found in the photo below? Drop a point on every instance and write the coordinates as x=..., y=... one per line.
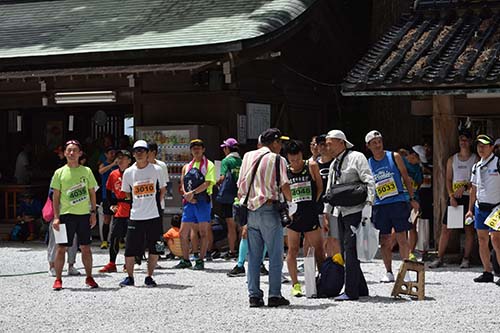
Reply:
x=140, y=150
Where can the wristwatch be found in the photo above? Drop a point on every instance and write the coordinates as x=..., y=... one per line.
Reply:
x=92, y=211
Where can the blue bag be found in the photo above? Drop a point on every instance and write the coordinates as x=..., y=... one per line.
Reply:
x=330, y=280
x=228, y=189
x=192, y=180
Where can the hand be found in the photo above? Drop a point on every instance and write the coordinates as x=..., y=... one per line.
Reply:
x=459, y=192
x=469, y=214
x=326, y=221
x=366, y=213
x=55, y=224
x=189, y=196
x=113, y=208
x=244, y=232
x=93, y=220
x=415, y=205
x=453, y=201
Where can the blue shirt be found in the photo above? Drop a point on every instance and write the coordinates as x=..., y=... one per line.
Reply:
x=388, y=185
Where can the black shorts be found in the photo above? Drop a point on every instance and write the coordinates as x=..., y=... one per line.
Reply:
x=79, y=225
x=142, y=234
x=119, y=229
x=464, y=200
x=226, y=211
x=106, y=208
x=304, y=222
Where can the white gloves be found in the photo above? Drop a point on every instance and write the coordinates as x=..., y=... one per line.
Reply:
x=366, y=213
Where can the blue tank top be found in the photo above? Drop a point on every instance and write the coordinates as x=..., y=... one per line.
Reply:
x=388, y=184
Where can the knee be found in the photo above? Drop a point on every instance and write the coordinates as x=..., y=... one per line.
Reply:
x=292, y=252
x=85, y=249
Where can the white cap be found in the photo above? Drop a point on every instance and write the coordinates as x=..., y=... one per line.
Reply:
x=372, y=135
x=420, y=150
x=338, y=134
x=141, y=144
x=497, y=142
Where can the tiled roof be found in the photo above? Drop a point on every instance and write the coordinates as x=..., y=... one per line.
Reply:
x=42, y=28
x=439, y=51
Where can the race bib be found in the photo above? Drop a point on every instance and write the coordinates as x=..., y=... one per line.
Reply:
x=457, y=185
x=144, y=189
x=77, y=194
x=493, y=220
x=427, y=181
x=386, y=188
x=301, y=191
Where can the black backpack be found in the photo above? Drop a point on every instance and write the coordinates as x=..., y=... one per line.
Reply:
x=330, y=280
x=192, y=179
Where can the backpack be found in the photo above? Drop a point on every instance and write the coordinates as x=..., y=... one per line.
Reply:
x=19, y=232
x=330, y=280
x=192, y=179
x=228, y=189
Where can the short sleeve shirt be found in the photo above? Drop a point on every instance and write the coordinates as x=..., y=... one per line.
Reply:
x=74, y=185
x=144, y=185
x=163, y=165
x=231, y=163
x=114, y=184
x=486, y=178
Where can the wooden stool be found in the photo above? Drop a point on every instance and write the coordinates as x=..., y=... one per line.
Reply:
x=417, y=288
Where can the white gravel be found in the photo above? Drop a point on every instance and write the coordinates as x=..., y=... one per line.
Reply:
x=209, y=301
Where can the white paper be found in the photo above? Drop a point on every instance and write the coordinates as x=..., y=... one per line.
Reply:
x=218, y=165
x=61, y=236
x=413, y=216
x=455, y=217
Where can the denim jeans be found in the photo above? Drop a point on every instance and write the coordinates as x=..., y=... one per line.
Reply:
x=264, y=228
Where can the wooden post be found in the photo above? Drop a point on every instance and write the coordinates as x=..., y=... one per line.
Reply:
x=445, y=136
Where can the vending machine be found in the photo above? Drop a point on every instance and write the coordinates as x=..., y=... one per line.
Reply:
x=173, y=149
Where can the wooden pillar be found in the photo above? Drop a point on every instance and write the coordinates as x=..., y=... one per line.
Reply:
x=445, y=136
x=138, y=105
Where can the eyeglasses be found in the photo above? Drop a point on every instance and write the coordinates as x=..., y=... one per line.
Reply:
x=140, y=150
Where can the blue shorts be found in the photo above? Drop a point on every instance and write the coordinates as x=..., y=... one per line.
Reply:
x=196, y=213
x=479, y=218
x=394, y=215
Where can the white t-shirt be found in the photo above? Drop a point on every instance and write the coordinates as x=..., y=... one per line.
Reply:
x=165, y=169
x=486, y=178
x=145, y=185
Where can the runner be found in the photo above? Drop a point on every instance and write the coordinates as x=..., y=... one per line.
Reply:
x=144, y=184
x=105, y=167
x=231, y=163
x=74, y=204
x=314, y=148
x=306, y=187
x=120, y=206
x=197, y=180
x=458, y=175
x=484, y=196
x=390, y=209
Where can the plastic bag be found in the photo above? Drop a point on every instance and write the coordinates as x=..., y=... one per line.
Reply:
x=366, y=240
x=310, y=273
x=423, y=234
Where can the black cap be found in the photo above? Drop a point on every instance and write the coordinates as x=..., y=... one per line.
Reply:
x=196, y=142
x=485, y=139
x=321, y=139
x=152, y=146
x=270, y=135
x=465, y=132
x=124, y=152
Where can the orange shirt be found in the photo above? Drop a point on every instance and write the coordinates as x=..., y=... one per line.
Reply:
x=172, y=233
x=114, y=184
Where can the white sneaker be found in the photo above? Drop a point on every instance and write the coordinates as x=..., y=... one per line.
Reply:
x=73, y=271
x=387, y=277
x=284, y=279
x=465, y=263
x=52, y=271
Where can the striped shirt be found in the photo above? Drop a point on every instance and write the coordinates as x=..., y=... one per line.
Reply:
x=264, y=186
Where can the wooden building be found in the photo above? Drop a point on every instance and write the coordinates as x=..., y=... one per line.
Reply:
x=443, y=57
x=75, y=69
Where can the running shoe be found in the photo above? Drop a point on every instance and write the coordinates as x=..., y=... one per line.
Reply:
x=484, y=278
x=387, y=277
x=57, y=284
x=52, y=271
x=199, y=265
x=438, y=262
x=73, y=271
x=498, y=282
x=343, y=297
x=297, y=290
x=109, y=268
x=127, y=282
x=256, y=302
x=465, y=263
x=183, y=264
x=274, y=302
x=104, y=245
x=263, y=270
x=194, y=257
x=89, y=281
x=284, y=279
x=230, y=255
x=149, y=282
x=208, y=257
x=300, y=268
x=412, y=257
x=237, y=271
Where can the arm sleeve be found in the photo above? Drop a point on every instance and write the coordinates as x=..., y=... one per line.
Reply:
x=365, y=175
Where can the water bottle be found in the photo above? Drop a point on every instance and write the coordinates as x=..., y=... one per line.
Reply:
x=469, y=220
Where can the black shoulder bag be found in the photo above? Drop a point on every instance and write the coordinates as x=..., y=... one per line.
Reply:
x=348, y=194
x=241, y=210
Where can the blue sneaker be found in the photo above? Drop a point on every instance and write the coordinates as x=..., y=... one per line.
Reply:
x=128, y=281
x=149, y=282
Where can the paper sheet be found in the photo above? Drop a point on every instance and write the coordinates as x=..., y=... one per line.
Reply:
x=61, y=236
x=455, y=217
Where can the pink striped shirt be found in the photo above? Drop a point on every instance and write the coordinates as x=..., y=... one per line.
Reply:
x=264, y=186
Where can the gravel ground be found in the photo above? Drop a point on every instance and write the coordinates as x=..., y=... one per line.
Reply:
x=209, y=301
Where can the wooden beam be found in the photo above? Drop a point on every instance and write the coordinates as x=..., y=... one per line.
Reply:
x=445, y=133
x=463, y=107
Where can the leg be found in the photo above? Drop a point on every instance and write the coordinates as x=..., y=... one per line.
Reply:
x=333, y=245
x=87, y=259
x=185, y=231
x=293, y=251
x=59, y=260
x=413, y=237
x=315, y=239
x=255, y=248
x=51, y=247
x=129, y=265
x=231, y=234
x=105, y=227
x=194, y=235
x=72, y=251
x=386, y=249
x=495, y=240
x=204, y=231
x=469, y=241
x=484, y=249
x=272, y=234
x=404, y=247
x=152, y=261
x=443, y=240
x=243, y=251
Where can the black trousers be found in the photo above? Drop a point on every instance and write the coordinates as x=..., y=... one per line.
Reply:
x=355, y=283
